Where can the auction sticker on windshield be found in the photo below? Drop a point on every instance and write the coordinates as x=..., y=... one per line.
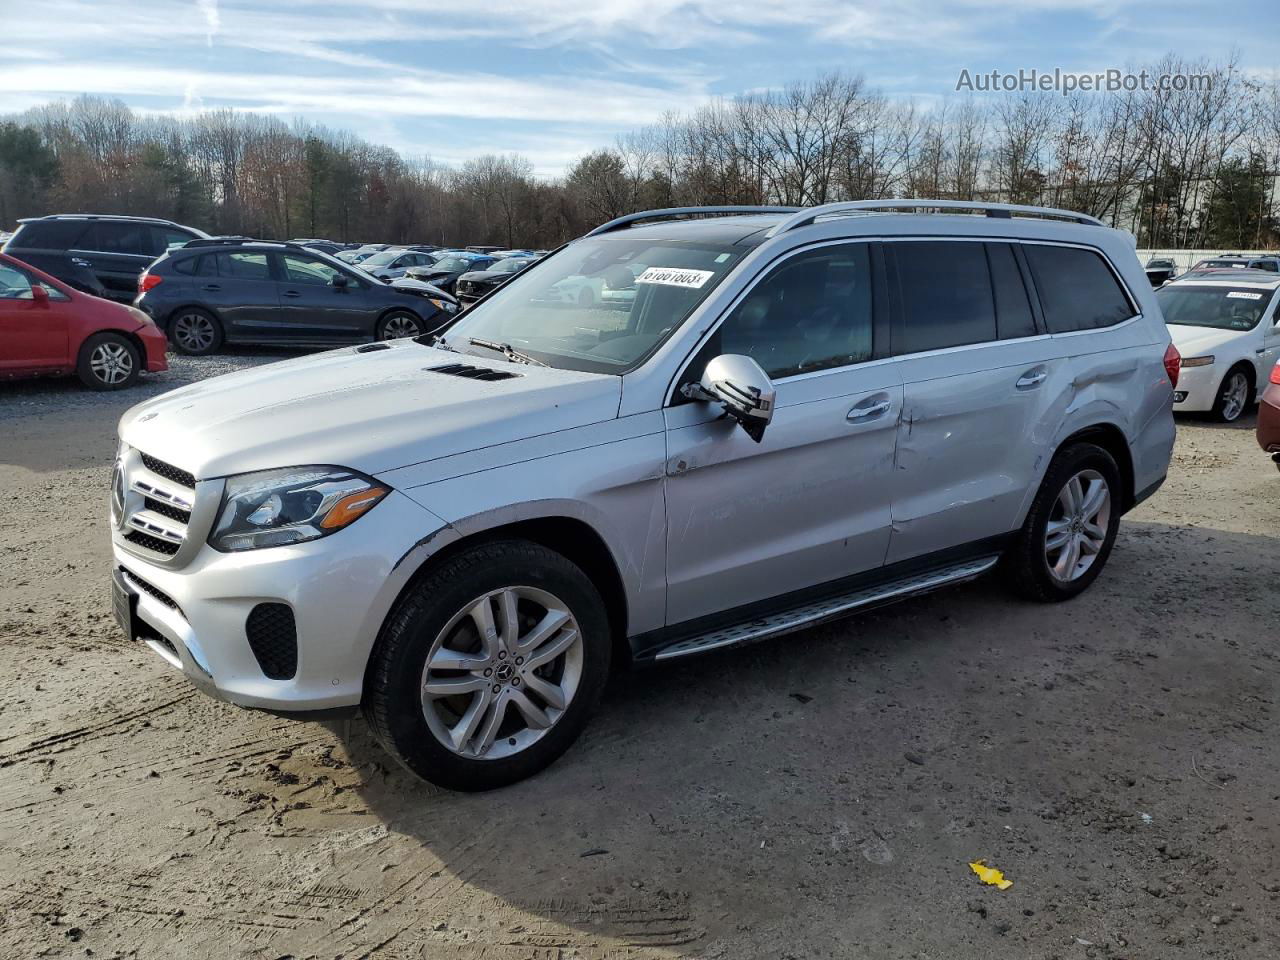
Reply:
x=675, y=277
x=1241, y=295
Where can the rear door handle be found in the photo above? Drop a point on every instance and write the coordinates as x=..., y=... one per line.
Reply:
x=81, y=262
x=211, y=287
x=1032, y=378
x=867, y=410
x=291, y=293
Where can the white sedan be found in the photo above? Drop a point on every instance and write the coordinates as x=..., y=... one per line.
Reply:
x=1224, y=324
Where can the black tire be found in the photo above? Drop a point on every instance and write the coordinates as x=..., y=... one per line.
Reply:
x=1223, y=408
x=387, y=326
x=1026, y=561
x=392, y=701
x=109, y=361
x=195, y=332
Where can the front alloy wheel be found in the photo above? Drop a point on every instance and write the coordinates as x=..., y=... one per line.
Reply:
x=501, y=673
x=489, y=665
x=1234, y=396
x=112, y=363
x=400, y=325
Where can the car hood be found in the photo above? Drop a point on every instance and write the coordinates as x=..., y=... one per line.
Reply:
x=371, y=411
x=1198, y=341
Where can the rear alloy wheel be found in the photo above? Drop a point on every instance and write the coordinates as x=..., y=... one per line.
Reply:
x=399, y=325
x=108, y=361
x=1233, y=396
x=195, y=333
x=1071, y=526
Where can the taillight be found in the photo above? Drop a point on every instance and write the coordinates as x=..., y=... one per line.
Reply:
x=1275, y=373
x=1173, y=364
x=148, y=281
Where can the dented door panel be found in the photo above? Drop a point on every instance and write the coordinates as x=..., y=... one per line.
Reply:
x=809, y=504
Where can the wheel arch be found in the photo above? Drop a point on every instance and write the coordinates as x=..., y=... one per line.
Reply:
x=192, y=305
x=572, y=538
x=1112, y=439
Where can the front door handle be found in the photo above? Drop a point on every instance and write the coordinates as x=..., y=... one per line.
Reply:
x=869, y=411
x=211, y=287
x=81, y=262
x=291, y=293
x=1032, y=378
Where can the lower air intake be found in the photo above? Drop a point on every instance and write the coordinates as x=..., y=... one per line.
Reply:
x=273, y=637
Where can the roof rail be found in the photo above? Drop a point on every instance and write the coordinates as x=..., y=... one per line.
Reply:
x=807, y=216
x=99, y=216
x=671, y=213
x=240, y=242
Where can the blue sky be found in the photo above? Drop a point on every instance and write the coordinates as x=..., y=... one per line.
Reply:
x=552, y=79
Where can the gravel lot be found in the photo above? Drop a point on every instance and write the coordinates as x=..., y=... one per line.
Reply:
x=819, y=796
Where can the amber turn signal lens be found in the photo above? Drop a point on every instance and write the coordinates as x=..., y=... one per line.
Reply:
x=351, y=506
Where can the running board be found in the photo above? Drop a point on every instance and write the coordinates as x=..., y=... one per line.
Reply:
x=819, y=611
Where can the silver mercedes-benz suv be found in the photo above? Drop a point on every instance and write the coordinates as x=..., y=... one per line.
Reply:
x=776, y=417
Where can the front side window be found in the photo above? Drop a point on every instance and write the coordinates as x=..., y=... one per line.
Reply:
x=602, y=304
x=302, y=270
x=810, y=312
x=945, y=293
x=1220, y=308
x=166, y=239
x=1077, y=289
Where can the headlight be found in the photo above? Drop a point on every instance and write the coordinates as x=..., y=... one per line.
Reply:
x=444, y=305
x=1196, y=362
x=271, y=508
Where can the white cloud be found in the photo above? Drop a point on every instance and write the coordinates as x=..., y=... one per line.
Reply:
x=209, y=8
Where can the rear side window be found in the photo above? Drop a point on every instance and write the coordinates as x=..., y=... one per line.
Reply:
x=244, y=266
x=1077, y=289
x=1013, y=309
x=945, y=293
x=185, y=266
x=48, y=235
x=107, y=237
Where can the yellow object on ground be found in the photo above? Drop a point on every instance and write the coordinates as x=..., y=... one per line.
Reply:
x=990, y=875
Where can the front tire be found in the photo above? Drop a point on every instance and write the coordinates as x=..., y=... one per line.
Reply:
x=1071, y=526
x=400, y=324
x=488, y=668
x=108, y=361
x=1234, y=395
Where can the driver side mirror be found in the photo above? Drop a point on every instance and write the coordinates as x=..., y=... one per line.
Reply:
x=39, y=294
x=741, y=387
x=339, y=281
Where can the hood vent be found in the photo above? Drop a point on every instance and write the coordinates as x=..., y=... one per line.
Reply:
x=472, y=373
x=371, y=347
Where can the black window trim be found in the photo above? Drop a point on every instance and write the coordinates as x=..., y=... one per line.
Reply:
x=1134, y=305
x=880, y=321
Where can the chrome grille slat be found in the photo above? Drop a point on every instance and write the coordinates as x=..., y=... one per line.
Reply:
x=157, y=526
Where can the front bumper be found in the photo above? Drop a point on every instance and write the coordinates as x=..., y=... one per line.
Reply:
x=340, y=589
x=155, y=344
x=1197, y=389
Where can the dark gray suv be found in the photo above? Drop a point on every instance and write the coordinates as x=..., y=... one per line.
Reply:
x=236, y=290
x=98, y=254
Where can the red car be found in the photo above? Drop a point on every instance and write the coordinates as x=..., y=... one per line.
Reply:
x=1268, y=429
x=48, y=328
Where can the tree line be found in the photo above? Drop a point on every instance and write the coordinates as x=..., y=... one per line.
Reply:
x=1179, y=168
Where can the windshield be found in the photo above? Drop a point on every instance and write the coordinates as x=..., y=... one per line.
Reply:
x=601, y=305
x=452, y=263
x=1218, y=307
x=382, y=259
x=508, y=266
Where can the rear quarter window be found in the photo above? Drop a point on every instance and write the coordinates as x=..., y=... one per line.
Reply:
x=48, y=235
x=1078, y=290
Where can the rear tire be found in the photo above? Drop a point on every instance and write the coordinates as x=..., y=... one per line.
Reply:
x=108, y=361
x=1071, y=526
x=450, y=631
x=1235, y=394
x=195, y=332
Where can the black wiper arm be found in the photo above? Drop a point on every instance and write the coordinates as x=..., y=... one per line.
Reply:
x=508, y=351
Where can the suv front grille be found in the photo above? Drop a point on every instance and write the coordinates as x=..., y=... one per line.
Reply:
x=152, y=503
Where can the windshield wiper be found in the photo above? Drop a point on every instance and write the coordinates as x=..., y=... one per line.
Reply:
x=508, y=351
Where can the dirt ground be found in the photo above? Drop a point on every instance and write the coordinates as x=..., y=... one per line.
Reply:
x=818, y=796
